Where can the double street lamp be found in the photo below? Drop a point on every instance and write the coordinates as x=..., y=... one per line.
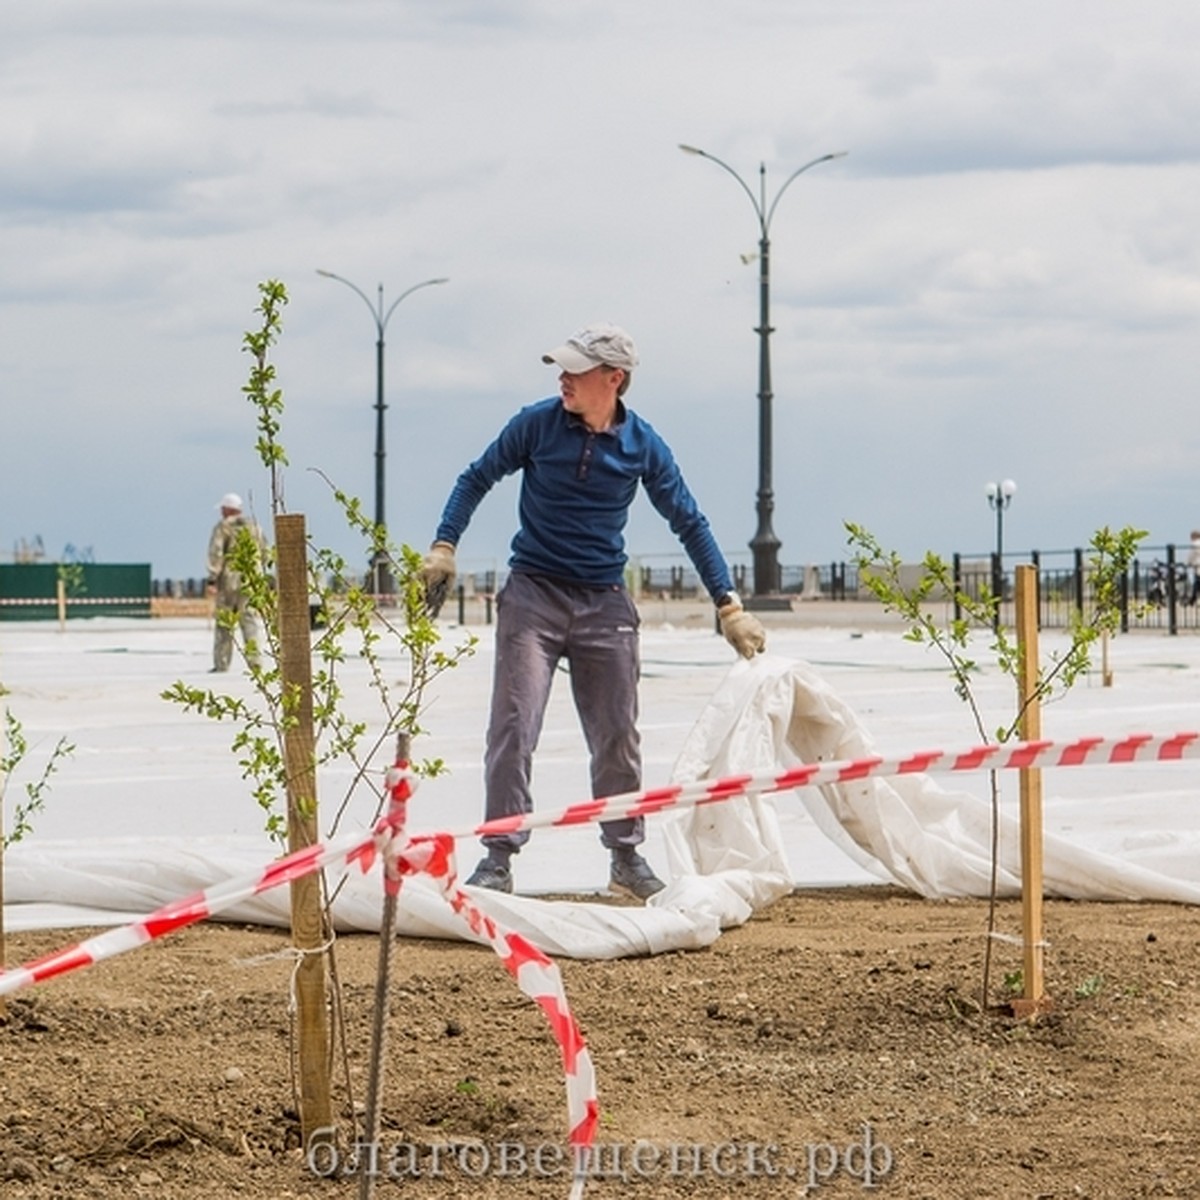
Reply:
x=999, y=497
x=764, y=544
x=381, y=577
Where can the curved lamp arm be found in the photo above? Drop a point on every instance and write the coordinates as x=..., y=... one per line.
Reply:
x=764, y=214
x=354, y=287
x=799, y=171
x=758, y=209
x=408, y=292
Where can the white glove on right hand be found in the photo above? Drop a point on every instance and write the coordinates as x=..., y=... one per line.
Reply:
x=437, y=574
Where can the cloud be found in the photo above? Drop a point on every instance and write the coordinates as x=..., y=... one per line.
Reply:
x=1003, y=276
x=338, y=106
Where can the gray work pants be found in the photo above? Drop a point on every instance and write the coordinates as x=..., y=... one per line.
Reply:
x=540, y=622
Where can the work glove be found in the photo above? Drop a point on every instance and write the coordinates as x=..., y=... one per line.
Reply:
x=437, y=574
x=742, y=630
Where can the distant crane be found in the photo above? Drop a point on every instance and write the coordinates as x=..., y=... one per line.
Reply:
x=29, y=552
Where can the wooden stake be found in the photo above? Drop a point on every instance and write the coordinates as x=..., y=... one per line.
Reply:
x=3, y=960
x=383, y=990
x=308, y=923
x=1033, y=999
x=3, y=952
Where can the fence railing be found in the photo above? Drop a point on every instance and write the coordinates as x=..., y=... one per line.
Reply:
x=1159, y=591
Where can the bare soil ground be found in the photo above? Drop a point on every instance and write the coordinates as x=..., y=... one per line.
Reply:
x=832, y=1021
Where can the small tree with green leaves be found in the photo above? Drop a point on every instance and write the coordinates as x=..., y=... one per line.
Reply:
x=71, y=576
x=14, y=752
x=350, y=624
x=881, y=572
x=349, y=621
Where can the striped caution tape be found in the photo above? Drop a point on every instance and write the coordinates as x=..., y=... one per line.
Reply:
x=1087, y=751
x=361, y=849
x=73, y=601
x=535, y=973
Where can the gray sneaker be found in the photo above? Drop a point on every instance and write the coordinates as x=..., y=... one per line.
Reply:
x=490, y=874
x=631, y=875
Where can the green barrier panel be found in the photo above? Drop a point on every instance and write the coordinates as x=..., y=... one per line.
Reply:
x=29, y=591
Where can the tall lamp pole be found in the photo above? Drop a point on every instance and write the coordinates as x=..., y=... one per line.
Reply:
x=999, y=497
x=764, y=544
x=381, y=577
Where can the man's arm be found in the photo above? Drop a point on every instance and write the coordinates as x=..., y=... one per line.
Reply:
x=216, y=552
x=671, y=496
x=504, y=456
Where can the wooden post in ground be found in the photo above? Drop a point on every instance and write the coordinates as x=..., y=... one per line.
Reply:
x=3, y=960
x=1033, y=997
x=383, y=990
x=308, y=925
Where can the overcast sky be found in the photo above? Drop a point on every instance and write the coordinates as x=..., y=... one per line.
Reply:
x=1001, y=279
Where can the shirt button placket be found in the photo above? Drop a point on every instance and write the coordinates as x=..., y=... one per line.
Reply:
x=585, y=459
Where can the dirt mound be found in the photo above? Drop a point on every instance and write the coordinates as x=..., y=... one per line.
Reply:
x=834, y=1046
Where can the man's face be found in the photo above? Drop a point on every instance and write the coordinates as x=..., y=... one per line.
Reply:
x=591, y=390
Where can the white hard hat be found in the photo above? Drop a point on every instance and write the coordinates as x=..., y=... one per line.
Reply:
x=231, y=500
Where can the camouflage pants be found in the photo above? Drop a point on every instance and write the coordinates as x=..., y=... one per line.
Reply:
x=232, y=611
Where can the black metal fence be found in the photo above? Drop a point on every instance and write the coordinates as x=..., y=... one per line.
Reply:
x=1159, y=591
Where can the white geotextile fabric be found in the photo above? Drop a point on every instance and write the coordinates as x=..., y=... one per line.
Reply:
x=724, y=860
x=906, y=829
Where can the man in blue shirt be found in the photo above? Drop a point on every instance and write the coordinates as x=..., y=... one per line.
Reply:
x=582, y=455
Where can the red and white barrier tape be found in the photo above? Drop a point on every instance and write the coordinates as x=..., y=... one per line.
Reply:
x=362, y=848
x=74, y=601
x=1088, y=751
x=539, y=978
x=536, y=975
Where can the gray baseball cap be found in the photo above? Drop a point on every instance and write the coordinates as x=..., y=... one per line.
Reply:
x=594, y=346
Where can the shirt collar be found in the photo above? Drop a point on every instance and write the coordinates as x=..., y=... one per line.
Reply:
x=575, y=421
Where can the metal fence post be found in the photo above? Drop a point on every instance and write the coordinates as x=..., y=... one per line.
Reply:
x=1172, y=598
x=1035, y=557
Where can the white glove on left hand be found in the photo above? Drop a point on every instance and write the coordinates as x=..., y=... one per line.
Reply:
x=437, y=574
x=742, y=630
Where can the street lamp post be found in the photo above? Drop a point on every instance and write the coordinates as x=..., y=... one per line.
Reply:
x=999, y=497
x=381, y=577
x=764, y=544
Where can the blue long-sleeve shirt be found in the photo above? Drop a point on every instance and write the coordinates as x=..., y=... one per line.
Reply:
x=576, y=489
